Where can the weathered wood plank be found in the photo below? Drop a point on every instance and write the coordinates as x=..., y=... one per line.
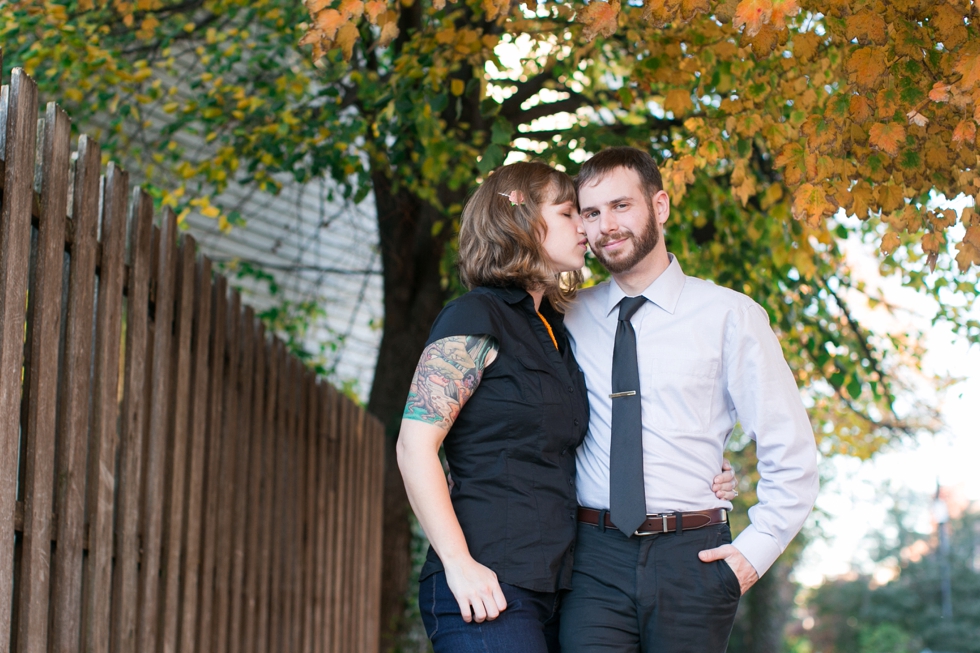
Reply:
x=178, y=441
x=70, y=470
x=326, y=492
x=257, y=489
x=359, y=519
x=243, y=452
x=311, y=517
x=229, y=483
x=264, y=621
x=377, y=538
x=158, y=434
x=100, y=487
x=194, y=509
x=277, y=628
x=340, y=641
x=126, y=573
x=298, y=432
x=213, y=481
x=41, y=382
x=18, y=106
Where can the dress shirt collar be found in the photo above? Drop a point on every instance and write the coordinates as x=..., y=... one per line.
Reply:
x=664, y=291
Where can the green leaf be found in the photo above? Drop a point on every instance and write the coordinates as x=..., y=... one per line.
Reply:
x=492, y=158
x=502, y=132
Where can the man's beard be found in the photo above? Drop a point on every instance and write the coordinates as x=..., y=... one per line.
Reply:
x=642, y=245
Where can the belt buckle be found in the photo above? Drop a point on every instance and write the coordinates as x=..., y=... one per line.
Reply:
x=663, y=519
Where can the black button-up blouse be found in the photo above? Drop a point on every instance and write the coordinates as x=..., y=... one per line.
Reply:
x=511, y=450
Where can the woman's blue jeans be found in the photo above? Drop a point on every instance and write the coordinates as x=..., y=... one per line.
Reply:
x=528, y=625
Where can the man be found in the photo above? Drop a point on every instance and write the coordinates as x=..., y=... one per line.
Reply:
x=655, y=568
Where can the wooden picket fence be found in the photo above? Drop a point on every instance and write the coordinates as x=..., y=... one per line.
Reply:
x=170, y=478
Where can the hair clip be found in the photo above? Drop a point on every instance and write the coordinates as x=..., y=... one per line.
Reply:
x=515, y=196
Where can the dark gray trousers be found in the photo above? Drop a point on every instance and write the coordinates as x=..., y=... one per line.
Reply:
x=649, y=594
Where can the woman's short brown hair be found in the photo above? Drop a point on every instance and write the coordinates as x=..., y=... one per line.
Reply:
x=500, y=242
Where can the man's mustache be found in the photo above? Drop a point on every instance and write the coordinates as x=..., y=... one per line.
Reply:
x=616, y=235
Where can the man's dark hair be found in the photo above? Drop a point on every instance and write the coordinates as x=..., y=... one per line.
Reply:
x=611, y=158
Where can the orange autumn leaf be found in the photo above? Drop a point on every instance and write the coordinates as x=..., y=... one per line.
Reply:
x=599, y=18
x=811, y=204
x=316, y=6
x=886, y=136
x=939, y=92
x=352, y=9
x=969, y=66
x=860, y=109
x=373, y=9
x=345, y=39
x=328, y=22
x=867, y=65
x=866, y=26
x=753, y=14
x=966, y=131
x=781, y=10
x=792, y=159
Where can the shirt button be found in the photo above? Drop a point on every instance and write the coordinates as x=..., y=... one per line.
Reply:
x=571, y=389
x=564, y=452
x=575, y=422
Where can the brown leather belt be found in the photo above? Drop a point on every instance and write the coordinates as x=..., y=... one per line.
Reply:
x=662, y=523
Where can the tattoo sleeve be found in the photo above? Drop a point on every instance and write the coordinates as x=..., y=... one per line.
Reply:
x=448, y=373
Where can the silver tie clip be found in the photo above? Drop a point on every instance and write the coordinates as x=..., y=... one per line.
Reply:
x=628, y=393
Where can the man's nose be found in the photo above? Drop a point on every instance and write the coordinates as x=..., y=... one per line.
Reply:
x=607, y=223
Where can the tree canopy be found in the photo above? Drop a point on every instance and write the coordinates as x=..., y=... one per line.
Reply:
x=789, y=133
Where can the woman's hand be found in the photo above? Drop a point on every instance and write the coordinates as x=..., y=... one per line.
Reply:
x=725, y=483
x=476, y=590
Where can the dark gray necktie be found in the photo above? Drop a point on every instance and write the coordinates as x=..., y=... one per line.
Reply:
x=627, y=500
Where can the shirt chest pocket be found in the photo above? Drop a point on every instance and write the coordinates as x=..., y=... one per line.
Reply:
x=683, y=391
x=538, y=385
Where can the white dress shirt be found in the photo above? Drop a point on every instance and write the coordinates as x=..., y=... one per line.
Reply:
x=707, y=359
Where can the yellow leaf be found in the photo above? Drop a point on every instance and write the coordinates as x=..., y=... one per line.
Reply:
x=890, y=197
x=210, y=211
x=599, y=18
x=389, y=32
x=753, y=14
x=792, y=159
x=457, y=87
x=889, y=243
x=678, y=101
x=887, y=136
x=965, y=131
x=805, y=45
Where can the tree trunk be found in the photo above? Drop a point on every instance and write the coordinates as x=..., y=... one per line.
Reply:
x=413, y=297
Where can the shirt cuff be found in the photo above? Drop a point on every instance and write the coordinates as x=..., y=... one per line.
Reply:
x=760, y=549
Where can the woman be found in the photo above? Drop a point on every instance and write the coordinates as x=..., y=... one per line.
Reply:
x=502, y=538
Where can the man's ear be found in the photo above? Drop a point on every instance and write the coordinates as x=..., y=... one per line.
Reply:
x=661, y=207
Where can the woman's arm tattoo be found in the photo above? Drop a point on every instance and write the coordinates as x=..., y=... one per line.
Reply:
x=448, y=372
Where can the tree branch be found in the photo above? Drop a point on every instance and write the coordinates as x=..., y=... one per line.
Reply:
x=544, y=110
